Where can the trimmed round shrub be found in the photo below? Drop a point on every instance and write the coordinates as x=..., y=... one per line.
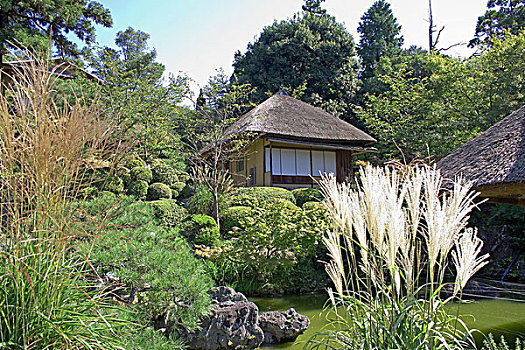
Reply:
x=125, y=174
x=134, y=161
x=303, y=195
x=168, y=211
x=254, y=196
x=111, y=183
x=163, y=173
x=140, y=173
x=201, y=229
x=139, y=189
x=178, y=186
x=233, y=216
x=158, y=190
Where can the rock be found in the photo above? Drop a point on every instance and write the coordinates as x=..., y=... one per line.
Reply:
x=233, y=323
x=282, y=327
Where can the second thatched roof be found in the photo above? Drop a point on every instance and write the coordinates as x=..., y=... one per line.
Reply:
x=285, y=116
x=496, y=157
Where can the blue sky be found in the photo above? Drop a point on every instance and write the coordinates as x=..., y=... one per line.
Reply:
x=199, y=36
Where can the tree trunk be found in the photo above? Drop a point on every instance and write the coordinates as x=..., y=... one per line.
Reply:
x=216, y=207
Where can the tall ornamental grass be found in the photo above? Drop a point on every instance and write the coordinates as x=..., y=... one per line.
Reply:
x=397, y=235
x=45, y=300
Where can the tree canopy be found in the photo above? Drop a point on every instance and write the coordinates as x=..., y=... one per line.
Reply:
x=314, y=7
x=501, y=16
x=32, y=23
x=311, y=57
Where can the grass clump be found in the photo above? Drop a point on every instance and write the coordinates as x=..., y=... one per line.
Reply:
x=394, y=237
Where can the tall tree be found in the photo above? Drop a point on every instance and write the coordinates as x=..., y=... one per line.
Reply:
x=501, y=16
x=313, y=56
x=380, y=36
x=136, y=97
x=35, y=22
x=314, y=7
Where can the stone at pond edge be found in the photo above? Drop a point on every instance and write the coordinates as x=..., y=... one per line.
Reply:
x=233, y=323
x=282, y=327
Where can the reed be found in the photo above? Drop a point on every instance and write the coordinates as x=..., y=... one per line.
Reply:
x=45, y=298
x=394, y=236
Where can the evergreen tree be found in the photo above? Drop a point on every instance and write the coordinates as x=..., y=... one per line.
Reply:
x=32, y=23
x=380, y=36
x=314, y=7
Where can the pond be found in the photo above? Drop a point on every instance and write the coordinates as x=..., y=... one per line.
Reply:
x=500, y=317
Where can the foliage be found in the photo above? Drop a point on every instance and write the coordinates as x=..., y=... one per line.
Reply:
x=233, y=217
x=139, y=189
x=432, y=103
x=383, y=299
x=135, y=95
x=46, y=301
x=158, y=190
x=168, y=211
x=501, y=18
x=270, y=241
x=255, y=196
x=147, y=264
x=311, y=57
x=140, y=173
x=163, y=173
x=32, y=24
x=380, y=36
x=201, y=202
x=314, y=7
x=490, y=344
x=201, y=229
x=304, y=195
x=111, y=183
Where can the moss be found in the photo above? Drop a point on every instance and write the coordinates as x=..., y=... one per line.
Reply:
x=140, y=173
x=255, y=196
x=139, y=189
x=201, y=229
x=304, y=195
x=158, y=190
x=233, y=216
x=168, y=211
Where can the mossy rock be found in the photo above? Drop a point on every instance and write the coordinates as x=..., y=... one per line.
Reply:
x=140, y=173
x=168, y=211
x=255, y=196
x=232, y=218
x=304, y=195
x=139, y=189
x=201, y=229
x=159, y=190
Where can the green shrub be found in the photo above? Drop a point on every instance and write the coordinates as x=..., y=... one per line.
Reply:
x=255, y=196
x=168, y=211
x=304, y=195
x=201, y=202
x=112, y=183
x=140, y=173
x=163, y=173
x=201, y=229
x=151, y=259
x=125, y=174
x=178, y=186
x=233, y=217
x=88, y=192
x=158, y=190
x=134, y=161
x=139, y=189
x=490, y=344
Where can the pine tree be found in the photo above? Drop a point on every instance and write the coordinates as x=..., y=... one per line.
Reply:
x=314, y=7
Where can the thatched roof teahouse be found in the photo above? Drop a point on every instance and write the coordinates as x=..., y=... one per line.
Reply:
x=294, y=143
x=494, y=161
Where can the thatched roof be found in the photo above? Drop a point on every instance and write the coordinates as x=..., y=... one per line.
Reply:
x=285, y=116
x=493, y=160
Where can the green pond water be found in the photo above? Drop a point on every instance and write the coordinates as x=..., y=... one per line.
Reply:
x=496, y=316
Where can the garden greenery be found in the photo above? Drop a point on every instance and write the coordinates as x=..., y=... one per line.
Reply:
x=395, y=235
